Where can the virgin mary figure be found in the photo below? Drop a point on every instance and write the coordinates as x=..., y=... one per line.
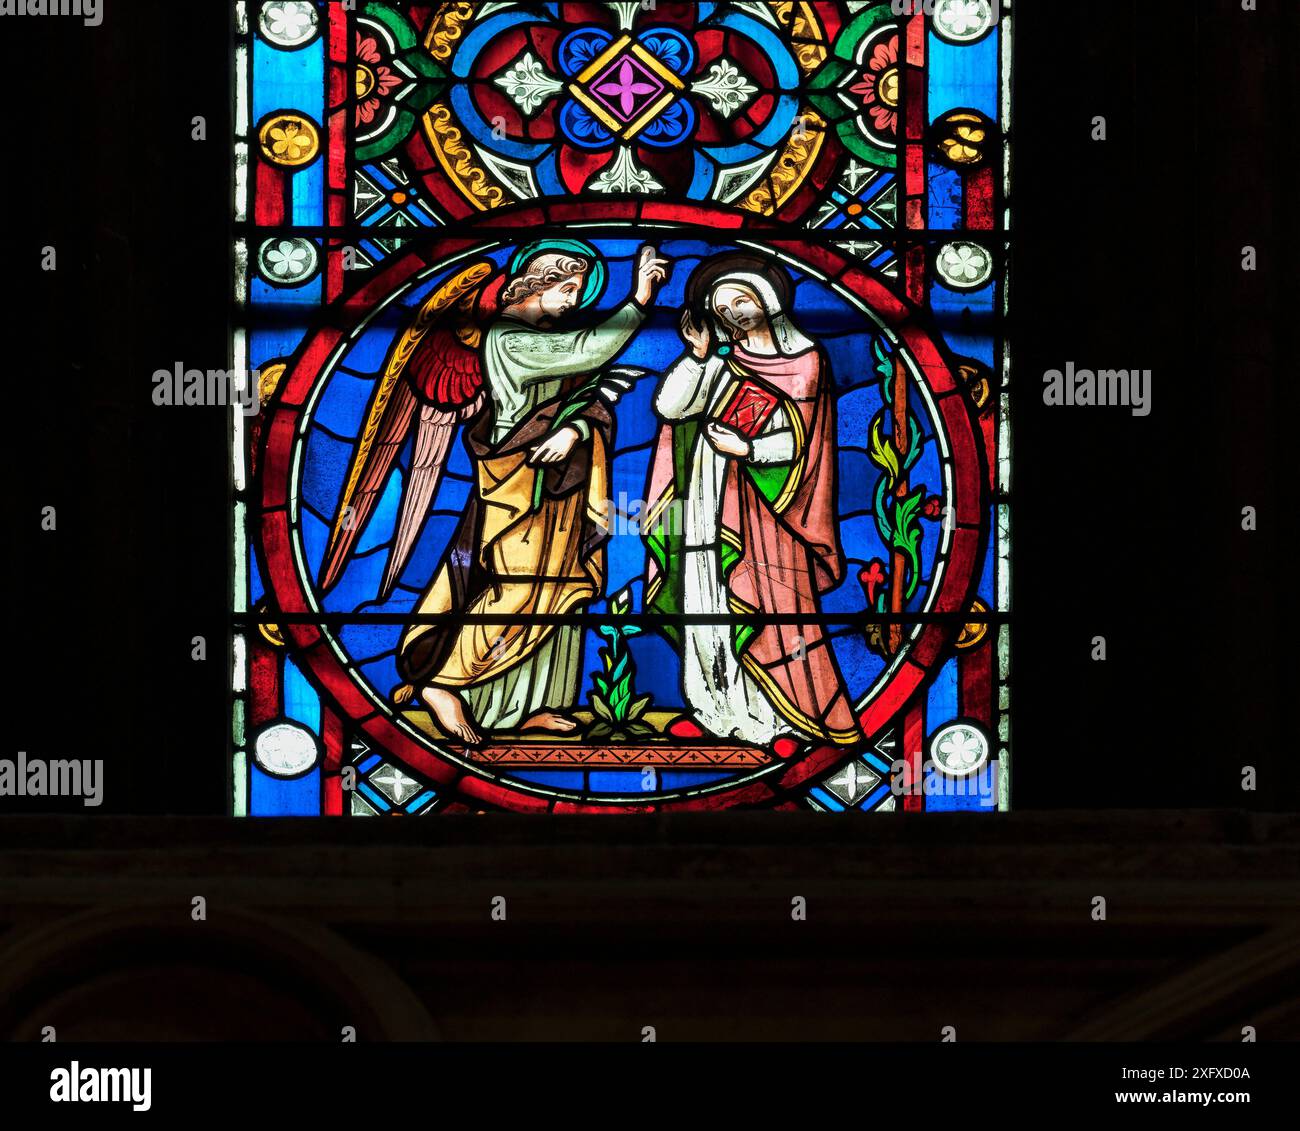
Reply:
x=741, y=517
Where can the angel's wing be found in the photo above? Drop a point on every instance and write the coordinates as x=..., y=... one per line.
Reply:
x=432, y=381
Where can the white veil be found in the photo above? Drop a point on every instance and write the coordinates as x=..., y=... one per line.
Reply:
x=788, y=337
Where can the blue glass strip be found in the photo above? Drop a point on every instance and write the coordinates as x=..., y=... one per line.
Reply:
x=980, y=794
x=381, y=803
x=876, y=762
x=823, y=798
x=964, y=77
x=875, y=798
x=277, y=797
x=622, y=781
x=288, y=80
x=301, y=703
x=308, y=188
x=553, y=779
x=941, y=701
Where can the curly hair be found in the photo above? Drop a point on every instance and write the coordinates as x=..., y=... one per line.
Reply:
x=542, y=272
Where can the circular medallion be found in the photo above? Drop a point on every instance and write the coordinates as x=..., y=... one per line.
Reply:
x=959, y=749
x=269, y=379
x=963, y=21
x=963, y=265
x=285, y=750
x=349, y=665
x=270, y=632
x=289, y=139
x=287, y=262
x=974, y=631
x=962, y=138
x=288, y=23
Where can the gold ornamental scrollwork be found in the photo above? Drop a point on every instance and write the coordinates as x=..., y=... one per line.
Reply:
x=807, y=40
x=446, y=28
x=790, y=168
x=457, y=161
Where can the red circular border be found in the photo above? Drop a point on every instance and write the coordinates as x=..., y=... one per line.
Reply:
x=312, y=649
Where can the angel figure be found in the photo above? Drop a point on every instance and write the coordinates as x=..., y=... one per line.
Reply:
x=490, y=351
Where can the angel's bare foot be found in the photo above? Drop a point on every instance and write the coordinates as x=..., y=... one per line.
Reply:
x=549, y=720
x=450, y=713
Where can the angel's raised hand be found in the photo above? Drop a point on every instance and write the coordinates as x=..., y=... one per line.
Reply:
x=650, y=272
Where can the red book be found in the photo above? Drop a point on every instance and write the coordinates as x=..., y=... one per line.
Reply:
x=747, y=407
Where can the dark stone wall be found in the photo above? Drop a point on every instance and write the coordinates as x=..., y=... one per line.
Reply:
x=683, y=923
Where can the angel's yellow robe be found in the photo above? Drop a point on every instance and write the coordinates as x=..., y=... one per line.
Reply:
x=533, y=533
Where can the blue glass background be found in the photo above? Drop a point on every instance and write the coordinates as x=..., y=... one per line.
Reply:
x=843, y=331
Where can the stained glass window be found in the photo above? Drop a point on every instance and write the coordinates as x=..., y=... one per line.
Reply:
x=632, y=429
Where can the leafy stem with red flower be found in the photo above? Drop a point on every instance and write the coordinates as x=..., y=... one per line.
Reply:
x=896, y=516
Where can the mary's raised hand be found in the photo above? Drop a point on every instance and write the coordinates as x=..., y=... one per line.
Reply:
x=695, y=335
